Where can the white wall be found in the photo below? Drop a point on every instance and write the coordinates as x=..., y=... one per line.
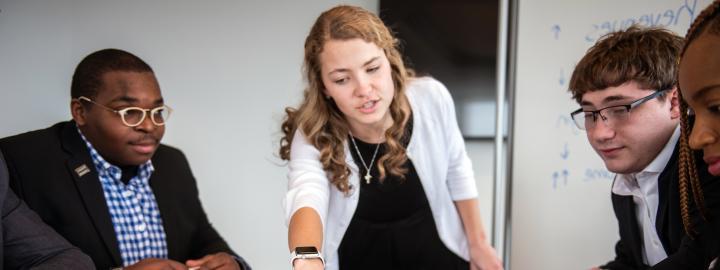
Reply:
x=228, y=68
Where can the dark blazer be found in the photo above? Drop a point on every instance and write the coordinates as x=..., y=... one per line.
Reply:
x=27, y=242
x=668, y=222
x=44, y=172
x=696, y=253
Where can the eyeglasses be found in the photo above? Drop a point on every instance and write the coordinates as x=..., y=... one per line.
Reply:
x=134, y=116
x=611, y=115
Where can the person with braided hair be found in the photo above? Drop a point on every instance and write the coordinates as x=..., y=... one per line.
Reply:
x=699, y=83
x=626, y=88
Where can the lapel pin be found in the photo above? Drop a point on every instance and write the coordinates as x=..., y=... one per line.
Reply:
x=82, y=170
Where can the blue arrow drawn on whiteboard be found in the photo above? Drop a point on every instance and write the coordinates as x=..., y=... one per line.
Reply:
x=565, y=176
x=555, y=178
x=565, y=153
x=556, y=31
x=561, y=80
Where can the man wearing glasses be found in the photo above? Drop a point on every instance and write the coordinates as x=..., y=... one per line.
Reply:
x=626, y=88
x=105, y=182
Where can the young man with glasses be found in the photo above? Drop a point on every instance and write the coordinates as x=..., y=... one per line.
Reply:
x=626, y=88
x=104, y=181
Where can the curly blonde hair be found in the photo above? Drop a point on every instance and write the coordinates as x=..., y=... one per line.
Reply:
x=324, y=126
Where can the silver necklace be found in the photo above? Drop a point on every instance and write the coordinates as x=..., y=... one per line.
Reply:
x=367, y=168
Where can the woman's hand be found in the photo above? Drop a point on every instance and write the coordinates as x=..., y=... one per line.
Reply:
x=484, y=257
x=312, y=264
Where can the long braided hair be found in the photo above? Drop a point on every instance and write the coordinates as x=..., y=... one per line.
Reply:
x=689, y=180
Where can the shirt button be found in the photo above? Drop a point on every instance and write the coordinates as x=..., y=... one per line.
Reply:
x=141, y=227
x=127, y=193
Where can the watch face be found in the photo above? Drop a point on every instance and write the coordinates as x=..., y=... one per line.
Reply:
x=306, y=250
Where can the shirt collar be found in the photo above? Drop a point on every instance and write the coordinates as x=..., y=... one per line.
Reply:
x=624, y=183
x=104, y=167
x=659, y=163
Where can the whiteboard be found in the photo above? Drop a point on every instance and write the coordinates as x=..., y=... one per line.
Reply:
x=561, y=212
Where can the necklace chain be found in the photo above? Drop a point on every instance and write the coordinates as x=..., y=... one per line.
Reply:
x=367, y=168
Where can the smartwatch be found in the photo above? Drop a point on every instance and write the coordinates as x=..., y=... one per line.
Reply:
x=305, y=253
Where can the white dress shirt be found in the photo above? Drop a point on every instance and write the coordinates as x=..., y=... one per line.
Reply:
x=643, y=187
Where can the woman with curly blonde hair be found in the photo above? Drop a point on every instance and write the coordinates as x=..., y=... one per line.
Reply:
x=378, y=173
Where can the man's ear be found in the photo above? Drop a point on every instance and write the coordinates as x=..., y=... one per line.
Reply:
x=674, y=99
x=78, y=112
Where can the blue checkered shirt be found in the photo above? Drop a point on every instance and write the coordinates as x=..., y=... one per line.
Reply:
x=133, y=209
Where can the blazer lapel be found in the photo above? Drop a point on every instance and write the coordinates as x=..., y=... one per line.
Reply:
x=628, y=223
x=667, y=182
x=166, y=208
x=83, y=171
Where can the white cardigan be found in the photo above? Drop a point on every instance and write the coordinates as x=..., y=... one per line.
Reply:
x=437, y=151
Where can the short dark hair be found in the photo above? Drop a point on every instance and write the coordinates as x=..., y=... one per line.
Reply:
x=647, y=56
x=87, y=78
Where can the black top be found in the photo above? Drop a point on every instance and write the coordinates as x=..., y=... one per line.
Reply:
x=393, y=226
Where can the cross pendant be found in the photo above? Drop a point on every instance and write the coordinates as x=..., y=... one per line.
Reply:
x=367, y=178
